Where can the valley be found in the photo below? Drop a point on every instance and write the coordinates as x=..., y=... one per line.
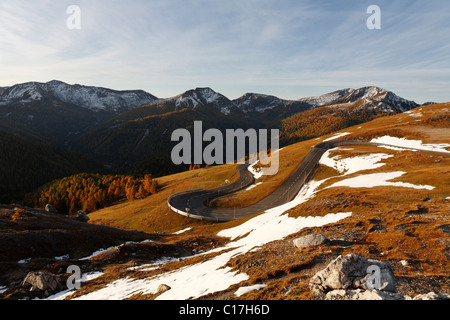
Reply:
x=224, y=158
x=385, y=198
x=129, y=132
x=386, y=202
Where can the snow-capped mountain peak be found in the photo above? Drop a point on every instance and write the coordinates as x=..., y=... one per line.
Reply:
x=370, y=92
x=327, y=98
x=98, y=98
x=201, y=96
x=369, y=96
x=384, y=100
x=255, y=102
x=93, y=98
x=25, y=92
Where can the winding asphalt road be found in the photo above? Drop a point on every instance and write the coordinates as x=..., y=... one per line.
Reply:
x=194, y=204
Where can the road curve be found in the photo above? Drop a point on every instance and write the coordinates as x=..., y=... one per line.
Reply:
x=194, y=204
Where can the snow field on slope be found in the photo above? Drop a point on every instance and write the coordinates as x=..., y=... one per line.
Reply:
x=354, y=164
x=347, y=166
x=412, y=144
x=196, y=280
x=211, y=276
x=378, y=180
x=337, y=135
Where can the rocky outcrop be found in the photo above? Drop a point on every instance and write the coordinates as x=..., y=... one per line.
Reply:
x=353, y=277
x=360, y=294
x=353, y=272
x=432, y=296
x=43, y=283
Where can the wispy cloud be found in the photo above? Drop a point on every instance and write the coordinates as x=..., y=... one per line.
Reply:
x=284, y=47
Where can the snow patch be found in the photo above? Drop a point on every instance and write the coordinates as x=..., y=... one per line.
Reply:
x=96, y=253
x=256, y=172
x=327, y=98
x=64, y=257
x=182, y=231
x=378, y=180
x=24, y=261
x=253, y=185
x=243, y=290
x=196, y=280
x=412, y=144
x=154, y=265
x=351, y=165
x=337, y=135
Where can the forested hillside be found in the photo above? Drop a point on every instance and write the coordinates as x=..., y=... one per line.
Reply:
x=26, y=165
x=90, y=192
x=321, y=121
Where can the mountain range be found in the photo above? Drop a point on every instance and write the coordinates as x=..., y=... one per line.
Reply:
x=130, y=130
x=99, y=99
x=92, y=98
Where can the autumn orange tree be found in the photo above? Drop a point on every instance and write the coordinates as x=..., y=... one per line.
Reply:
x=90, y=192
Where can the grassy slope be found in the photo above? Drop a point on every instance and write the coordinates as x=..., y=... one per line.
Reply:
x=145, y=214
x=388, y=223
x=152, y=214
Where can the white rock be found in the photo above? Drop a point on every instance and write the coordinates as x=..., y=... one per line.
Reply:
x=310, y=240
x=432, y=296
x=351, y=272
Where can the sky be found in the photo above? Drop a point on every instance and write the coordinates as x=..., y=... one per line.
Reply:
x=287, y=48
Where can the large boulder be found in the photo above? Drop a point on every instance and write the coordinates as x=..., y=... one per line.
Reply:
x=41, y=280
x=310, y=240
x=349, y=272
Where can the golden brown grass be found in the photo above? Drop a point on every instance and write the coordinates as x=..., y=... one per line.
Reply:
x=387, y=223
x=290, y=157
x=152, y=213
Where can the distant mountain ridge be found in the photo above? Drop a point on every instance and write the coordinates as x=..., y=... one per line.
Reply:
x=87, y=117
x=372, y=95
x=261, y=103
x=93, y=98
x=130, y=131
x=104, y=99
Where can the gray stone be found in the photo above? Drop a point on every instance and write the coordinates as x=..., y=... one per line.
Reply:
x=82, y=216
x=310, y=240
x=41, y=280
x=351, y=272
x=432, y=296
x=51, y=209
x=360, y=294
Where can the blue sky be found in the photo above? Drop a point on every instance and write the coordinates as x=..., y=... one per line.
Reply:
x=288, y=48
